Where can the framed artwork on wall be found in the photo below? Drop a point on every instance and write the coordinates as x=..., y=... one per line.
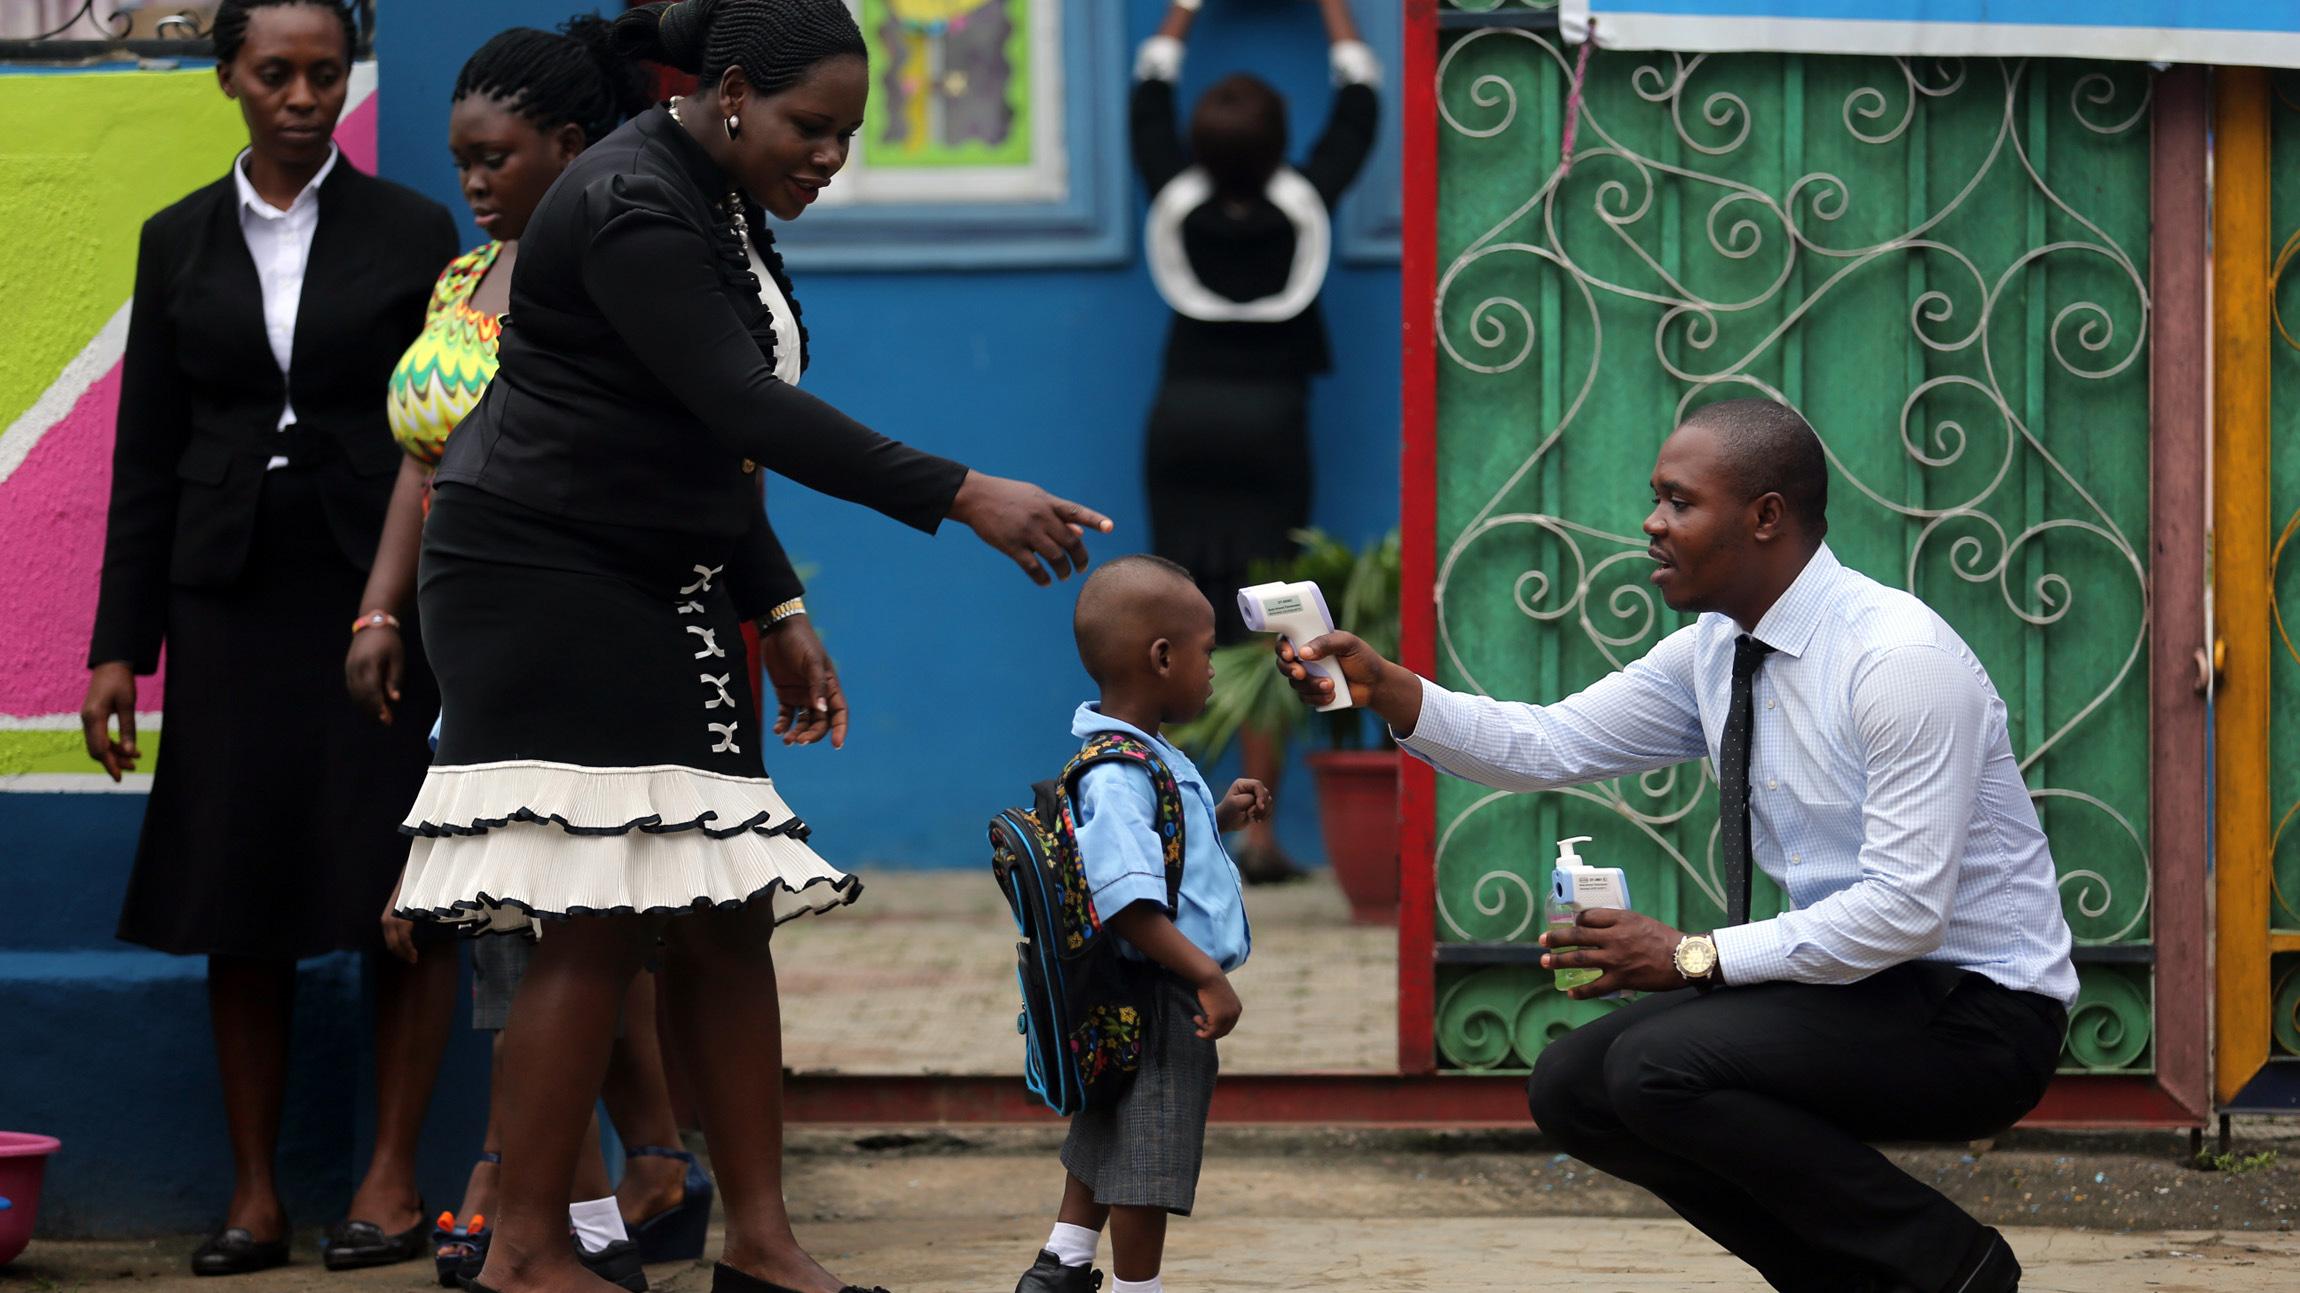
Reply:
x=968, y=101
x=981, y=150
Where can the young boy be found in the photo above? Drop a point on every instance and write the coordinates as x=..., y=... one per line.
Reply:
x=1145, y=633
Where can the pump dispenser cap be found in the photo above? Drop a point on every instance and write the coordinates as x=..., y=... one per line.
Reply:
x=1565, y=854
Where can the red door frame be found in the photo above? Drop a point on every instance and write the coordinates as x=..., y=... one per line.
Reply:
x=1417, y=520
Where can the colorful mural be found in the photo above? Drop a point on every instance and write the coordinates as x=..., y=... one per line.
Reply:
x=90, y=156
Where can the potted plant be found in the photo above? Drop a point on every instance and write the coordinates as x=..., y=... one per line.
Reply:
x=1356, y=773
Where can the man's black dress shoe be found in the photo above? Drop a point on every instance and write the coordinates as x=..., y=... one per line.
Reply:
x=233, y=1251
x=1049, y=1275
x=356, y=1245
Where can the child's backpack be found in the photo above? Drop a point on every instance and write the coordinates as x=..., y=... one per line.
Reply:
x=1086, y=1010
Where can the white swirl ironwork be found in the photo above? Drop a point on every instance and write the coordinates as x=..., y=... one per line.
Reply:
x=1498, y=336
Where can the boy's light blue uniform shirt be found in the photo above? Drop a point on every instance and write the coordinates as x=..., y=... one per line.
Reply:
x=1118, y=845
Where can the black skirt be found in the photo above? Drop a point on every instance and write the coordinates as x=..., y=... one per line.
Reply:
x=1227, y=460
x=600, y=749
x=271, y=828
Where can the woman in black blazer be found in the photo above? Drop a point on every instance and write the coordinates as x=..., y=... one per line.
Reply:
x=249, y=477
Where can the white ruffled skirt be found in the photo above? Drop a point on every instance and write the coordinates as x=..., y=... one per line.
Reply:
x=613, y=767
x=497, y=845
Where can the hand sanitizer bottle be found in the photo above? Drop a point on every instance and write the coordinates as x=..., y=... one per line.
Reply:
x=1575, y=887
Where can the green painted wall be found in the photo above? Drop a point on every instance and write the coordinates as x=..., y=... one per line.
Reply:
x=85, y=160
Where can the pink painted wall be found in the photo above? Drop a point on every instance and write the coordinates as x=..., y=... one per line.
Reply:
x=52, y=512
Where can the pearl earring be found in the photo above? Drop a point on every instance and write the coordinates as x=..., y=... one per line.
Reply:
x=734, y=126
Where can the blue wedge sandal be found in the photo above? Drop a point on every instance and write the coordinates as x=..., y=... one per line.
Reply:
x=676, y=1234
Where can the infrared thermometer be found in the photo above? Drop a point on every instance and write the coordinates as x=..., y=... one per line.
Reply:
x=1296, y=612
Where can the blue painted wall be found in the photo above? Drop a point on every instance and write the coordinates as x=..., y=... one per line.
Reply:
x=962, y=674
x=108, y=1048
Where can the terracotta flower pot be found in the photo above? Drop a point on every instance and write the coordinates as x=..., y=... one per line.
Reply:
x=1358, y=811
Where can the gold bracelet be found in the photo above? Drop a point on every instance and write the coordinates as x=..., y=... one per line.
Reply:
x=795, y=606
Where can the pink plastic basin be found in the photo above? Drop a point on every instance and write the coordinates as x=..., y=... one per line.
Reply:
x=23, y=1157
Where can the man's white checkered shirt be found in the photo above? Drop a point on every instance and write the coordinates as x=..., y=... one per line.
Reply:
x=1884, y=795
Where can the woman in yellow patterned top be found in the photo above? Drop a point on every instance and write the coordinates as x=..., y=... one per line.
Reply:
x=525, y=105
x=442, y=375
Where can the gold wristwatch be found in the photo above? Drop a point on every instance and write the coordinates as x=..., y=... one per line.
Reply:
x=1696, y=959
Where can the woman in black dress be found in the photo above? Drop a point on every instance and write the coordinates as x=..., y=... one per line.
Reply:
x=249, y=476
x=526, y=104
x=1238, y=244
x=595, y=525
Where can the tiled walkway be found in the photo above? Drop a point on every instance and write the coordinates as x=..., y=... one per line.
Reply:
x=918, y=977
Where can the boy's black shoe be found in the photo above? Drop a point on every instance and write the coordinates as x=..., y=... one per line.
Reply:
x=1049, y=1275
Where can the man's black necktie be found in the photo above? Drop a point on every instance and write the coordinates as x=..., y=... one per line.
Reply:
x=1733, y=778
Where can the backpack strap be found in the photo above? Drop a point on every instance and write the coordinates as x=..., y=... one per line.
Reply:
x=1118, y=747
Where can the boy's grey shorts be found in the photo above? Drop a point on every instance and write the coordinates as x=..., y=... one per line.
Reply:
x=1145, y=1150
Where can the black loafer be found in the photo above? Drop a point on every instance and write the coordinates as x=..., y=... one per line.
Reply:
x=356, y=1245
x=1049, y=1275
x=233, y=1251
x=617, y=1263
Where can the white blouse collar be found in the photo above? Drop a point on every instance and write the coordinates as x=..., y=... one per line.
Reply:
x=253, y=202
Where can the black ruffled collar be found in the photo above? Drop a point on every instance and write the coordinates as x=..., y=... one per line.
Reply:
x=772, y=258
x=714, y=184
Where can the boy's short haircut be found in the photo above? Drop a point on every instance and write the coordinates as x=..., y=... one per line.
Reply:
x=1238, y=134
x=1101, y=623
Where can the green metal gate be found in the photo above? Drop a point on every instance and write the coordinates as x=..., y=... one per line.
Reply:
x=1944, y=264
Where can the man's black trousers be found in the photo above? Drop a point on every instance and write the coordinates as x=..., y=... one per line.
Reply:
x=1750, y=1110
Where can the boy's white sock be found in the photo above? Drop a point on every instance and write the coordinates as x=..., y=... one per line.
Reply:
x=1073, y=1245
x=598, y=1223
x=1150, y=1285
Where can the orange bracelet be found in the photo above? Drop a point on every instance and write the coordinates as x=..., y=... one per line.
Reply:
x=374, y=619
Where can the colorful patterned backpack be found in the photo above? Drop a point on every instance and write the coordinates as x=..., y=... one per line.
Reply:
x=1086, y=1010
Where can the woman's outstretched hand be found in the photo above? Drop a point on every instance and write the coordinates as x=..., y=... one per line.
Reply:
x=1027, y=524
